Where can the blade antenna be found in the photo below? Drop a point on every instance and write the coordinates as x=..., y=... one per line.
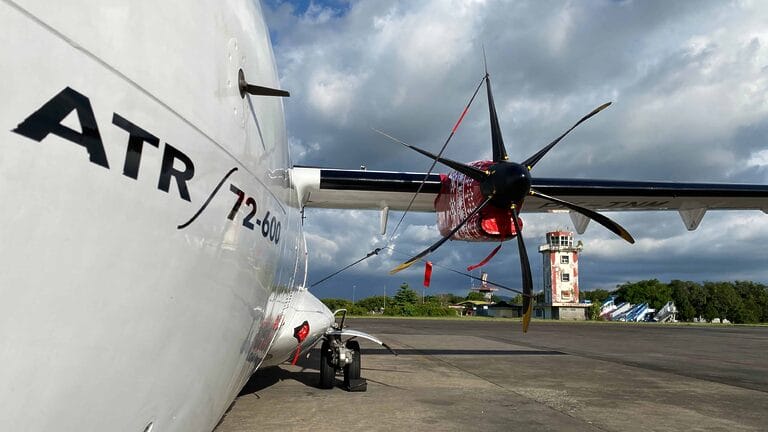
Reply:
x=434, y=162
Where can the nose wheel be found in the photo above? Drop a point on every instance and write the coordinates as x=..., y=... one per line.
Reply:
x=327, y=368
x=336, y=357
x=352, y=370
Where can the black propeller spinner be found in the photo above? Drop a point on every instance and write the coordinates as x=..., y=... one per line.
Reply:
x=508, y=182
x=505, y=185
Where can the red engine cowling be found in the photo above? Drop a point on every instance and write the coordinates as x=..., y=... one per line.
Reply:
x=458, y=197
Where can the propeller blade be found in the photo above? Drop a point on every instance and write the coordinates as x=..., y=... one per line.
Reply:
x=531, y=161
x=465, y=169
x=525, y=267
x=440, y=242
x=597, y=217
x=497, y=142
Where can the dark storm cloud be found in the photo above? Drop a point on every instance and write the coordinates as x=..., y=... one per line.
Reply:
x=688, y=81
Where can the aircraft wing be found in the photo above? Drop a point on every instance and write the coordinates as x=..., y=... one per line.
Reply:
x=607, y=195
x=361, y=189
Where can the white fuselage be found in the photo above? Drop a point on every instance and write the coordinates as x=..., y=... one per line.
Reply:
x=114, y=314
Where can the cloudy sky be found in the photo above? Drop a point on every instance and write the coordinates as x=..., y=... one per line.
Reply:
x=689, y=85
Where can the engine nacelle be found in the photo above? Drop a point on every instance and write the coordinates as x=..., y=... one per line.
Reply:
x=460, y=195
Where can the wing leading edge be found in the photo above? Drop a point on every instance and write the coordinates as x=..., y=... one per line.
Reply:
x=361, y=189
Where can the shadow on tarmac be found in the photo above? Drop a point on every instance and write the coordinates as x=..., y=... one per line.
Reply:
x=380, y=351
x=309, y=375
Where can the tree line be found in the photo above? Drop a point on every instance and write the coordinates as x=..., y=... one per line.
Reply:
x=406, y=302
x=739, y=302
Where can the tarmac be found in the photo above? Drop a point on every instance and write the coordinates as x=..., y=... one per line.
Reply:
x=458, y=375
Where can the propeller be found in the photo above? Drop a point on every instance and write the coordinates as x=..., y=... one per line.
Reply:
x=505, y=185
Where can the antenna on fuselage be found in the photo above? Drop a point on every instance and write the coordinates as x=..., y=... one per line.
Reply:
x=255, y=90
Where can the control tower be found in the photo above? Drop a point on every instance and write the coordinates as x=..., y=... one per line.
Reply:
x=561, y=277
x=485, y=288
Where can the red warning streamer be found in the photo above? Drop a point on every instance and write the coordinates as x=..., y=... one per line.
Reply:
x=427, y=273
x=485, y=261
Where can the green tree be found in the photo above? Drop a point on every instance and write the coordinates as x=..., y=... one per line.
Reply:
x=405, y=296
x=723, y=303
x=444, y=299
x=653, y=292
x=595, y=296
x=453, y=299
x=681, y=295
x=754, y=298
x=355, y=309
x=336, y=303
x=474, y=295
x=408, y=309
x=699, y=297
x=374, y=303
x=594, y=311
x=432, y=309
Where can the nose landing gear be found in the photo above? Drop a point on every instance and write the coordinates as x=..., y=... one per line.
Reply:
x=337, y=356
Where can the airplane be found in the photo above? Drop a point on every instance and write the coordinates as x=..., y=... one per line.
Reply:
x=151, y=238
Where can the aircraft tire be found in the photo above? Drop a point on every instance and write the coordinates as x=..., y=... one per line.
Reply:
x=352, y=370
x=327, y=370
